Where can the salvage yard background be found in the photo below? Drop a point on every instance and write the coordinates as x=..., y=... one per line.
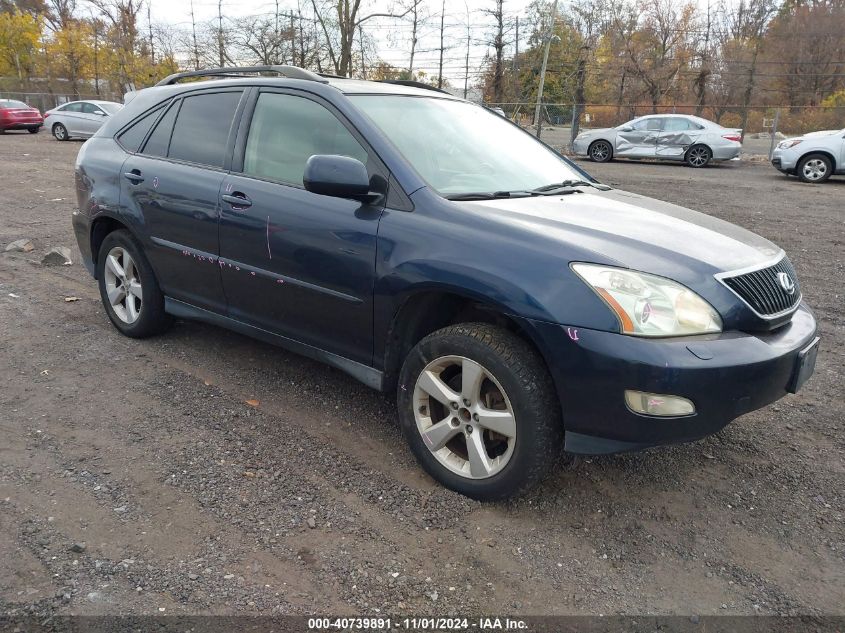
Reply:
x=135, y=477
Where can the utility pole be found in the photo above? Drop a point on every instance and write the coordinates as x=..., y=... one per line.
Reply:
x=220, y=50
x=515, y=69
x=469, y=34
x=95, y=24
x=194, y=30
x=549, y=36
x=150, y=25
x=440, y=71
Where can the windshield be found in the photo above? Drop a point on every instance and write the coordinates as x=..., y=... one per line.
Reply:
x=111, y=108
x=459, y=148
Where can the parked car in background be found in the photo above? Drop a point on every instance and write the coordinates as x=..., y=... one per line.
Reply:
x=813, y=157
x=678, y=137
x=80, y=119
x=16, y=115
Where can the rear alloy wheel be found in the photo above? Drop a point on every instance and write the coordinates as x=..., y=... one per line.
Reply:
x=60, y=132
x=128, y=287
x=34, y=130
x=479, y=411
x=600, y=152
x=814, y=168
x=698, y=156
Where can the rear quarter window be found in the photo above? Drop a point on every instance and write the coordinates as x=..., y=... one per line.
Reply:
x=202, y=128
x=132, y=137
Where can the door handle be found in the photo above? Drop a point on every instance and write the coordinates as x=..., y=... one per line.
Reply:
x=134, y=176
x=237, y=199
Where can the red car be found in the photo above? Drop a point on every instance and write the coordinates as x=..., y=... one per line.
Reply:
x=16, y=115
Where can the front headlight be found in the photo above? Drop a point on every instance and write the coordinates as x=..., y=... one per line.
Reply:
x=647, y=305
x=788, y=143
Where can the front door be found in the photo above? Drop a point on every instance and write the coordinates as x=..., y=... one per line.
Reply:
x=295, y=263
x=174, y=184
x=641, y=140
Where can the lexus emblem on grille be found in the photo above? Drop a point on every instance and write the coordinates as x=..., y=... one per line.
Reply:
x=786, y=283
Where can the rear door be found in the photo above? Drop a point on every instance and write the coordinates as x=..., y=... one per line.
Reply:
x=677, y=135
x=73, y=119
x=296, y=263
x=174, y=183
x=641, y=140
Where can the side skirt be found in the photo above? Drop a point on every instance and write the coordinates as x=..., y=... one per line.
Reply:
x=370, y=376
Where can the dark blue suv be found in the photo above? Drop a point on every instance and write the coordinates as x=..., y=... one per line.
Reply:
x=424, y=244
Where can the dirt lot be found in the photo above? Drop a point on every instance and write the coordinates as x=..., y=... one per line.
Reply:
x=134, y=478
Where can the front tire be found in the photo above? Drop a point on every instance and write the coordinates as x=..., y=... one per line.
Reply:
x=600, y=152
x=128, y=288
x=479, y=411
x=698, y=156
x=814, y=168
x=60, y=132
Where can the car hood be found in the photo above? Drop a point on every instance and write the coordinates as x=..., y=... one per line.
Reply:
x=817, y=134
x=622, y=228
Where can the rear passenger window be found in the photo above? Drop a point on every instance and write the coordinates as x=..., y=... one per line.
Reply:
x=677, y=125
x=160, y=138
x=287, y=130
x=202, y=128
x=132, y=138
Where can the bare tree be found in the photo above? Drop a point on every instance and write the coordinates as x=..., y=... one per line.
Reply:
x=497, y=41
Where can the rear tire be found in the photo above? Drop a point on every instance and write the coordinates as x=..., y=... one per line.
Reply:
x=34, y=130
x=814, y=168
x=128, y=287
x=698, y=156
x=494, y=428
x=600, y=152
x=60, y=132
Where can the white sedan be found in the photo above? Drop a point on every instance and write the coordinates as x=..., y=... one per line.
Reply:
x=678, y=137
x=813, y=157
x=80, y=119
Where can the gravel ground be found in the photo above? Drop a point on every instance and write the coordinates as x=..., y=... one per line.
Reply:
x=136, y=479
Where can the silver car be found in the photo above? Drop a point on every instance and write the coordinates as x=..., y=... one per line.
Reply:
x=79, y=119
x=678, y=137
x=813, y=157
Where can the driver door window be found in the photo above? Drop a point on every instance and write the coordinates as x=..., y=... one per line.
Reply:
x=286, y=131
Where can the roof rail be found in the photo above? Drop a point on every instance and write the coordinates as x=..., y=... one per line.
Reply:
x=413, y=84
x=291, y=72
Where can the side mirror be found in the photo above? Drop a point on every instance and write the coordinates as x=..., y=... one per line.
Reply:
x=338, y=177
x=626, y=128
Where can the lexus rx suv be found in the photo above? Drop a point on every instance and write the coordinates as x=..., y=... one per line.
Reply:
x=430, y=247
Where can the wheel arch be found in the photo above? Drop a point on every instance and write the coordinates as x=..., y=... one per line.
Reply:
x=100, y=228
x=610, y=144
x=427, y=310
x=821, y=152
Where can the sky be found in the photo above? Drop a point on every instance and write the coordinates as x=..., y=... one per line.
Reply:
x=392, y=36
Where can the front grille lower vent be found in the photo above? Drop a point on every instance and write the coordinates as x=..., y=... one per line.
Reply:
x=763, y=291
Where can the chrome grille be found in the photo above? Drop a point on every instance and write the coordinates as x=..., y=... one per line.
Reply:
x=762, y=290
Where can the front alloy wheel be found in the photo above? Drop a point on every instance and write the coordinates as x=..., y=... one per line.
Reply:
x=814, y=168
x=464, y=417
x=479, y=410
x=601, y=152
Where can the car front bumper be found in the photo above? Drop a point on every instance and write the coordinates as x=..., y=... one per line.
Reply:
x=784, y=161
x=580, y=146
x=724, y=375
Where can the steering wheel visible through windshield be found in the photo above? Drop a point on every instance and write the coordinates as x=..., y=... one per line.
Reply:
x=460, y=148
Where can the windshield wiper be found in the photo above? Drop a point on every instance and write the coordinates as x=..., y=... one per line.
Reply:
x=568, y=184
x=491, y=195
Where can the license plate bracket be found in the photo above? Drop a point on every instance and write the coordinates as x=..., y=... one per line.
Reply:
x=805, y=365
